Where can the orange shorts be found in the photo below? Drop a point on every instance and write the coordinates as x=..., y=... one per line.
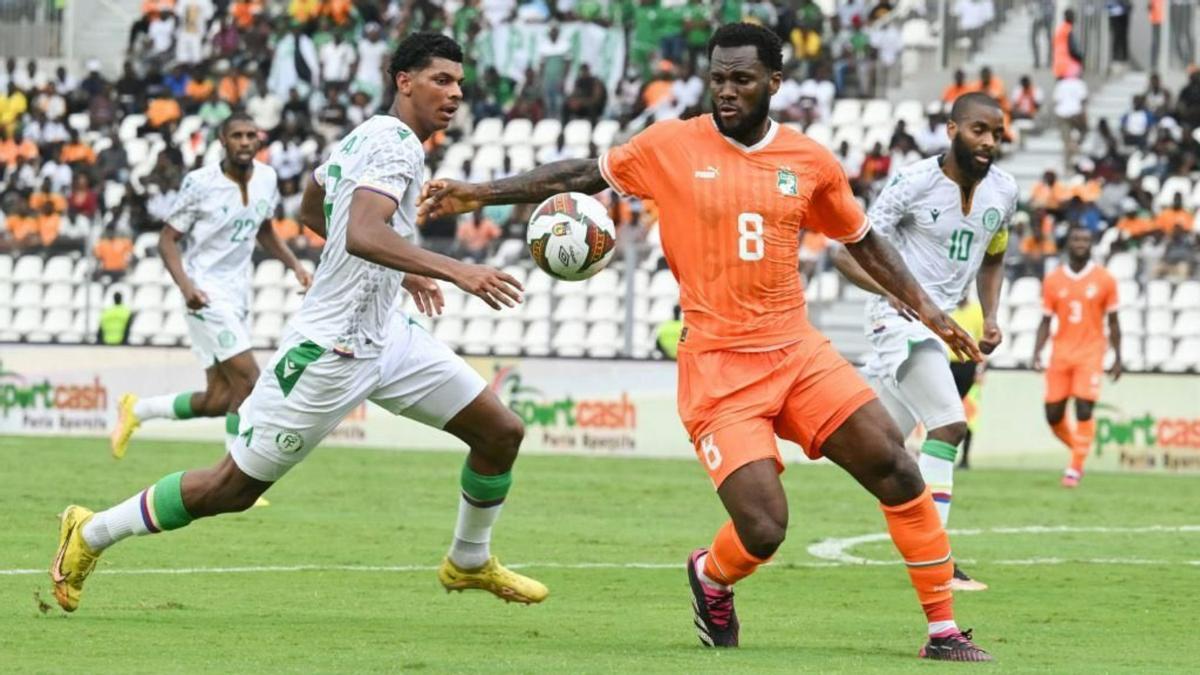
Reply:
x=734, y=404
x=1078, y=380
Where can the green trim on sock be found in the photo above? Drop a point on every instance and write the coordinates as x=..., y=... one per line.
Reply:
x=485, y=488
x=183, y=406
x=168, y=503
x=231, y=423
x=940, y=449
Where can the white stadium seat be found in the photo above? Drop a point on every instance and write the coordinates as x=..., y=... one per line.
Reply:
x=578, y=132
x=537, y=338
x=662, y=309
x=58, y=295
x=570, y=309
x=1158, y=294
x=268, y=300
x=7, y=334
x=28, y=268
x=1186, y=296
x=1123, y=266
x=518, y=132
x=477, y=337
x=129, y=127
x=267, y=328
x=57, y=269
x=605, y=133
x=569, y=339
x=570, y=289
x=449, y=330
x=912, y=112
x=1158, y=351
x=507, y=339
x=877, y=112
x=879, y=133
x=604, y=340
x=487, y=130
x=1025, y=291
x=546, y=132
x=1187, y=324
x=539, y=283
x=174, y=328
x=1129, y=293
x=145, y=325
x=821, y=133
x=26, y=320
x=663, y=285
x=536, y=307
x=606, y=308
x=474, y=308
x=1022, y=348
x=1132, y=355
x=269, y=272
x=1187, y=354
x=55, y=325
x=6, y=294
x=1174, y=185
x=846, y=111
x=28, y=294
x=6, y=267
x=606, y=282
x=851, y=135
x=1131, y=322
x=1158, y=322
x=522, y=158
x=456, y=154
x=1025, y=319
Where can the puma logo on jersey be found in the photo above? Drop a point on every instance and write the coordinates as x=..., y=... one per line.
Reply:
x=710, y=173
x=934, y=213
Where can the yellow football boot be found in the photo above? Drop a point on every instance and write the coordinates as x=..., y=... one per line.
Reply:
x=74, y=560
x=493, y=578
x=127, y=422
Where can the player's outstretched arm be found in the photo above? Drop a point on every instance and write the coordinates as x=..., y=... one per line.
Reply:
x=168, y=250
x=882, y=263
x=845, y=263
x=1043, y=334
x=445, y=197
x=369, y=235
x=312, y=207
x=273, y=245
x=1114, y=338
x=988, y=283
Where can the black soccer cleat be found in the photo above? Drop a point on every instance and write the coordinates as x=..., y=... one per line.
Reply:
x=716, y=621
x=956, y=646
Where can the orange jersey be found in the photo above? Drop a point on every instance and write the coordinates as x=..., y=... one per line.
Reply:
x=1081, y=302
x=730, y=221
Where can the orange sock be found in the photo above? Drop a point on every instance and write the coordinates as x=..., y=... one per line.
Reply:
x=1085, y=431
x=728, y=561
x=918, y=535
x=1065, y=433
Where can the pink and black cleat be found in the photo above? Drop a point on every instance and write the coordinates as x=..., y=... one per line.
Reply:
x=1071, y=478
x=716, y=621
x=955, y=646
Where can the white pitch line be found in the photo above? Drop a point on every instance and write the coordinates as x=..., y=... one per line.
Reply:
x=836, y=549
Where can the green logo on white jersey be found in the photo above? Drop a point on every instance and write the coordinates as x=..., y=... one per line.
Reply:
x=991, y=219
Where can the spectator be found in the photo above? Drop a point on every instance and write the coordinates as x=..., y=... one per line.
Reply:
x=474, y=236
x=113, y=162
x=12, y=106
x=83, y=199
x=1049, y=194
x=1036, y=247
x=49, y=223
x=1176, y=262
x=588, y=99
x=1181, y=29
x=1070, y=101
x=1134, y=222
x=58, y=174
x=372, y=51
x=177, y=80
x=114, y=321
x=1158, y=99
x=15, y=147
x=294, y=64
x=1136, y=124
x=162, y=111
x=287, y=157
x=48, y=195
x=199, y=87
x=669, y=27
x=75, y=152
x=554, y=55
x=697, y=26
x=244, y=12
x=957, y=88
x=114, y=253
x=528, y=103
x=1027, y=99
x=1189, y=100
x=23, y=228
x=9, y=73
x=264, y=106
x=130, y=89
x=337, y=61
x=359, y=109
x=233, y=84
x=288, y=230
x=666, y=336
x=50, y=102
x=1118, y=29
x=1156, y=11
x=876, y=166
x=495, y=95
x=1068, y=58
x=1175, y=218
x=225, y=39
x=932, y=139
x=851, y=161
x=331, y=114
x=213, y=112
x=94, y=82
x=160, y=33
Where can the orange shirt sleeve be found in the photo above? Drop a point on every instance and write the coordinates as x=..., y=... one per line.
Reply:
x=833, y=210
x=631, y=168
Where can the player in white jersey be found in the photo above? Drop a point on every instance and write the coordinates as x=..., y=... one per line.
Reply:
x=221, y=211
x=948, y=217
x=349, y=344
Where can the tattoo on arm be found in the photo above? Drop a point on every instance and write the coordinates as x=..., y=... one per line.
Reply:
x=569, y=175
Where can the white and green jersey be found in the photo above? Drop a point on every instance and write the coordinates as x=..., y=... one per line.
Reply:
x=220, y=229
x=351, y=300
x=920, y=213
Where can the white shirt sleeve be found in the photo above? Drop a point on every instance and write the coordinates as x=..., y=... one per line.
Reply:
x=390, y=167
x=890, y=206
x=185, y=211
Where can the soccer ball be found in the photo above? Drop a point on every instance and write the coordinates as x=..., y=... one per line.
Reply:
x=570, y=236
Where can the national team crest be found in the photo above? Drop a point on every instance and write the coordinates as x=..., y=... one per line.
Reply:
x=788, y=185
x=991, y=219
x=262, y=208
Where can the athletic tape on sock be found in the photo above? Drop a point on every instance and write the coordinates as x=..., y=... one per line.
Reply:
x=183, y=406
x=484, y=490
x=231, y=423
x=169, y=511
x=940, y=449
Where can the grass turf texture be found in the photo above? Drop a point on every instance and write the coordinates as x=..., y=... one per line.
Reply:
x=364, y=507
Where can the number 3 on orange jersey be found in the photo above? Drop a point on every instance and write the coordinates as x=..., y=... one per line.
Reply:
x=750, y=243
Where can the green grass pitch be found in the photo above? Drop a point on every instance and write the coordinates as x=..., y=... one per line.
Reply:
x=1114, y=589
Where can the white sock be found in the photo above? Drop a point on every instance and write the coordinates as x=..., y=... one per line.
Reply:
x=939, y=476
x=120, y=522
x=473, y=534
x=940, y=627
x=156, y=407
x=704, y=577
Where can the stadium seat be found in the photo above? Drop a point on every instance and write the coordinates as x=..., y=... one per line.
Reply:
x=267, y=328
x=536, y=307
x=606, y=308
x=518, y=132
x=26, y=320
x=641, y=282
x=145, y=325
x=487, y=130
x=577, y=132
x=1186, y=296
x=474, y=308
x=187, y=126
x=80, y=121
x=1186, y=356
x=522, y=158
x=149, y=271
x=1132, y=355
x=846, y=112
x=6, y=267
x=1123, y=266
x=1159, y=350
x=912, y=112
x=56, y=326
x=488, y=158
x=877, y=112
x=174, y=328
x=449, y=330
x=477, y=336
x=537, y=338
x=663, y=285
x=569, y=339
x=1129, y=293
x=605, y=134
x=1003, y=357
x=644, y=336
x=1026, y=318
x=28, y=268
x=604, y=340
x=452, y=301
x=268, y=299
x=456, y=154
x=539, y=283
x=129, y=127
x=269, y=273
x=6, y=294
x=880, y=133
x=1025, y=291
x=1158, y=294
x=1158, y=322
x=88, y=295
x=546, y=132
x=58, y=296
x=662, y=309
x=606, y=282
x=28, y=294
x=1131, y=322
x=57, y=269
x=570, y=289
x=570, y=309
x=518, y=272
x=509, y=252
x=821, y=133
x=1022, y=348
x=1151, y=184
x=1174, y=185
x=1187, y=324
x=507, y=339
x=852, y=135
x=918, y=34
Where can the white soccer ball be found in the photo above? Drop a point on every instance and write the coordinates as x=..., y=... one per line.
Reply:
x=570, y=236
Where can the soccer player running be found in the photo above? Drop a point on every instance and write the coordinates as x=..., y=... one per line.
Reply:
x=948, y=218
x=348, y=344
x=221, y=211
x=735, y=189
x=1080, y=295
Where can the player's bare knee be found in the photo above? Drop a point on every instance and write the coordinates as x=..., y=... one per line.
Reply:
x=505, y=440
x=953, y=433
x=763, y=534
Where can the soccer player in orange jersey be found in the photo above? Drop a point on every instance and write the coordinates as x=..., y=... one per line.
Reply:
x=1079, y=294
x=734, y=190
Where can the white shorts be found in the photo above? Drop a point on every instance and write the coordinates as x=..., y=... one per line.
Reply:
x=304, y=392
x=219, y=332
x=910, y=372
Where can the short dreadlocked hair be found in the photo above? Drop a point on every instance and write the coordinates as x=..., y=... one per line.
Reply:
x=764, y=40
x=417, y=50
